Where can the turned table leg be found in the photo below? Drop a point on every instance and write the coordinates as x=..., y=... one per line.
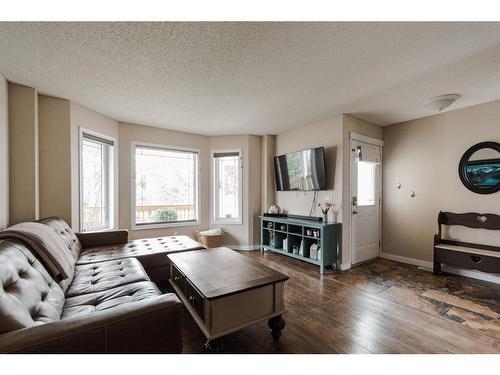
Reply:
x=276, y=324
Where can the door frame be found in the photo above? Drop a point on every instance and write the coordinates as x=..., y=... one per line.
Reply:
x=373, y=142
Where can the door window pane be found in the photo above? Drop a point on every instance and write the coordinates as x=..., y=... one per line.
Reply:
x=165, y=185
x=366, y=183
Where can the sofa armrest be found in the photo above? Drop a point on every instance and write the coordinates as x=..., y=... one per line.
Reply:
x=149, y=326
x=111, y=237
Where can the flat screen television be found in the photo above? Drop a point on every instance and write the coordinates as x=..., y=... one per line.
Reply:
x=302, y=170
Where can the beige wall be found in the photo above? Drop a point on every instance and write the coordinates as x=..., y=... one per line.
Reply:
x=242, y=235
x=423, y=156
x=327, y=133
x=352, y=125
x=23, y=153
x=129, y=133
x=83, y=118
x=55, y=157
x=334, y=135
x=4, y=153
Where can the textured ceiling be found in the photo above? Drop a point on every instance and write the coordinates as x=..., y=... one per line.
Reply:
x=233, y=78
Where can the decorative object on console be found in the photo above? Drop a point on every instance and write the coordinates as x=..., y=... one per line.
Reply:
x=314, y=251
x=325, y=207
x=274, y=209
x=479, y=168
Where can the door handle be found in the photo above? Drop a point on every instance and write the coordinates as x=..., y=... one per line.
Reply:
x=354, y=212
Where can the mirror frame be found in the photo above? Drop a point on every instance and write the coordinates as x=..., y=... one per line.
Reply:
x=462, y=167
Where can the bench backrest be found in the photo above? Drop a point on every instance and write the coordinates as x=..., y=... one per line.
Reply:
x=484, y=222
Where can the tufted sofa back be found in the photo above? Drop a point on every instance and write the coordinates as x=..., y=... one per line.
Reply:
x=67, y=234
x=28, y=295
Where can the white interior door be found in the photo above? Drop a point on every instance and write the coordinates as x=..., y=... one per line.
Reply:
x=366, y=165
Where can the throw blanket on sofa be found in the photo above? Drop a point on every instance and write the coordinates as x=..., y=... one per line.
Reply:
x=46, y=244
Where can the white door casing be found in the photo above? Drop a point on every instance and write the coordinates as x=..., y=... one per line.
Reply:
x=365, y=189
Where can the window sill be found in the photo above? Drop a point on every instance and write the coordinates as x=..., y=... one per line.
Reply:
x=166, y=225
x=227, y=222
x=96, y=230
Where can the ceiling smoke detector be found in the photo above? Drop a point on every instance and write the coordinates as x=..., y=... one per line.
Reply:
x=441, y=102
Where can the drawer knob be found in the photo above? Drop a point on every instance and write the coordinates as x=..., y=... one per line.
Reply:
x=177, y=278
x=191, y=298
x=475, y=258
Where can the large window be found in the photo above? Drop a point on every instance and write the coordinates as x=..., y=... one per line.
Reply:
x=227, y=186
x=166, y=187
x=96, y=182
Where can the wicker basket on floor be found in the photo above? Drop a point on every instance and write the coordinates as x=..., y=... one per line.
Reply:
x=210, y=240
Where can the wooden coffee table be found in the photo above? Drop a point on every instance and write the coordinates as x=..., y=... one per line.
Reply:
x=225, y=291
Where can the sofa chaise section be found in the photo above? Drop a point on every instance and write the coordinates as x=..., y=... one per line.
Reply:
x=91, y=248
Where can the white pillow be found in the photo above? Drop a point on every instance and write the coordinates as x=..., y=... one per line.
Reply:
x=212, y=232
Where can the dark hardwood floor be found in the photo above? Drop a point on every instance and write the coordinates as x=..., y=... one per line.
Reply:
x=378, y=307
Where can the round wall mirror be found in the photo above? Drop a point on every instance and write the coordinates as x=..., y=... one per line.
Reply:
x=479, y=168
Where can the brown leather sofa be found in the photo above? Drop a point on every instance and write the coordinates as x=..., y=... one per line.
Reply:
x=108, y=305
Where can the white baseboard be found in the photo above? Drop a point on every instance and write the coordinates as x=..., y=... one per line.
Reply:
x=344, y=266
x=412, y=261
x=427, y=266
x=243, y=247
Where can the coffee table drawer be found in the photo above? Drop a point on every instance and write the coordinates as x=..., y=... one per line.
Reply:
x=178, y=279
x=195, y=300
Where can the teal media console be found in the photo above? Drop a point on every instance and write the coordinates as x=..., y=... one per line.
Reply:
x=301, y=239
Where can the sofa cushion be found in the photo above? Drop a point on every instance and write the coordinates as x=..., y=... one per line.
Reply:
x=152, y=252
x=28, y=295
x=96, y=277
x=66, y=233
x=107, y=299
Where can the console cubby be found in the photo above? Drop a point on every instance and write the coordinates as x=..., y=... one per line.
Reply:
x=278, y=240
x=293, y=239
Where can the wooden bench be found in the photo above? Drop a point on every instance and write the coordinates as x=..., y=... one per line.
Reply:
x=485, y=258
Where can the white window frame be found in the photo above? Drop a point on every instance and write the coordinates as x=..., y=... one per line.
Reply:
x=197, y=183
x=215, y=198
x=111, y=191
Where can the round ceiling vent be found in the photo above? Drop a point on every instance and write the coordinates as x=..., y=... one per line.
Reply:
x=441, y=102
